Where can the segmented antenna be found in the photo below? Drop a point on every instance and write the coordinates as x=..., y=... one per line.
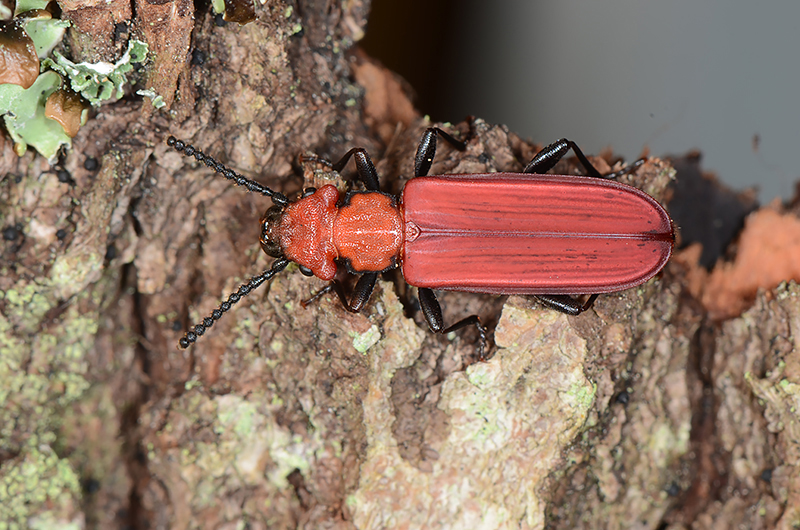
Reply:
x=189, y=150
x=191, y=336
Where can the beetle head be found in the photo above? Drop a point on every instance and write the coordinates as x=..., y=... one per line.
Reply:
x=269, y=231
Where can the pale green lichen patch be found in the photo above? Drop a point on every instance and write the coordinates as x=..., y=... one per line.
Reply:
x=25, y=120
x=101, y=81
x=24, y=110
x=26, y=305
x=55, y=367
x=46, y=32
x=364, y=341
x=508, y=421
x=43, y=371
x=666, y=444
x=38, y=483
x=579, y=396
x=22, y=6
x=74, y=271
x=782, y=401
x=156, y=99
x=243, y=446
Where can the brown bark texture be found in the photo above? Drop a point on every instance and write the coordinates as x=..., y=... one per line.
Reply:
x=671, y=405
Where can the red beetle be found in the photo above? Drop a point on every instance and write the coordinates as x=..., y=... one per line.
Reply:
x=506, y=233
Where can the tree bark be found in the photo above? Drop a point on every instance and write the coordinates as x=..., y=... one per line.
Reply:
x=643, y=412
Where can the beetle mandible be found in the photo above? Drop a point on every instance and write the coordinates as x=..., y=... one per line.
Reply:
x=551, y=236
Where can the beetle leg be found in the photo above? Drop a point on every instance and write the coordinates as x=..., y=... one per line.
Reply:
x=427, y=149
x=364, y=165
x=624, y=171
x=362, y=291
x=359, y=297
x=316, y=296
x=544, y=162
x=566, y=304
x=433, y=314
x=550, y=155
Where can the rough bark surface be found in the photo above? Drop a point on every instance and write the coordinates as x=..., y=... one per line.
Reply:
x=653, y=410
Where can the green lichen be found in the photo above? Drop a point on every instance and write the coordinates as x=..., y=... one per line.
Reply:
x=238, y=418
x=247, y=436
x=157, y=101
x=580, y=396
x=47, y=521
x=98, y=82
x=55, y=361
x=667, y=443
x=37, y=489
x=23, y=113
x=277, y=346
x=26, y=304
x=46, y=33
x=74, y=269
x=23, y=6
x=35, y=484
x=364, y=341
x=480, y=377
x=23, y=109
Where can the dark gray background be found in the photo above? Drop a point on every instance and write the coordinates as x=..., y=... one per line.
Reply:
x=719, y=76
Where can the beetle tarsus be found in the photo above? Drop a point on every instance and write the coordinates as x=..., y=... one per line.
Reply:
x=566, y=304
x=357, y=299
x=627, y=169
x=316, y=296
x=362, y=291
x=471, y=320
x=433, y=315
x=364, y=166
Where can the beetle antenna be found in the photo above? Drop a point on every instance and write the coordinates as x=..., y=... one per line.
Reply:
x=189, y=150
x=191, y=336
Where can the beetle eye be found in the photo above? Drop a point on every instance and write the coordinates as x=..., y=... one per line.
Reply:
x=308, y=191
x=306, y=271
x=269, y=225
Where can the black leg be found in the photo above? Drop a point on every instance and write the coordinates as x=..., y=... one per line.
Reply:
x=550, y=155
x=364, y=166
x=566, y=304
x=360, y=295
x=624, y=171
x=544, y=162
x=427, y=149
x=433, y=314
